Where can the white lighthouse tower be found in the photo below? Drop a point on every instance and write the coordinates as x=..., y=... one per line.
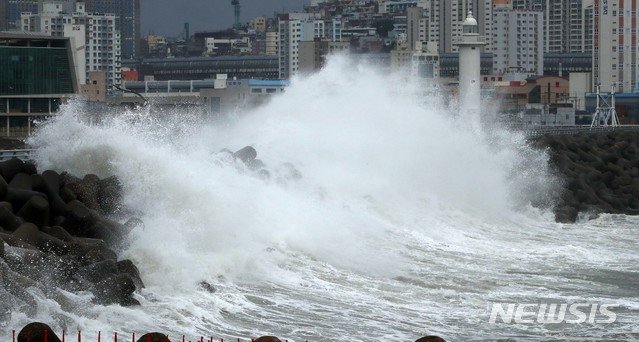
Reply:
x=470, y=44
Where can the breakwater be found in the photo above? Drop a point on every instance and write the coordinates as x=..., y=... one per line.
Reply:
x=600, y=172
x=55, y=234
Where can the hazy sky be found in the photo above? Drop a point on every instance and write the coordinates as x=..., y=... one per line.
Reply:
x=167, y=17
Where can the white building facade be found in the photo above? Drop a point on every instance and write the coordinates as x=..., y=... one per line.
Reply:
x=444, y=21
x=615, y=44
x=297, y=27
x=568, y=24
x=96, y=42
x=518, y=41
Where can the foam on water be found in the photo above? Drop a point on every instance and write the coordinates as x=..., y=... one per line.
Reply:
x=408, y=218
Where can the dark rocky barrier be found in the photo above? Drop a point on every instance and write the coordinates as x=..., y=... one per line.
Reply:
x=55, y=234
x=600, y=171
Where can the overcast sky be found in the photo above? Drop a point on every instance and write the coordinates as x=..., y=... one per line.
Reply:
x=167, y=17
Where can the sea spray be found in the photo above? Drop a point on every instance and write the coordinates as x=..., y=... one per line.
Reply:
x=403, y=219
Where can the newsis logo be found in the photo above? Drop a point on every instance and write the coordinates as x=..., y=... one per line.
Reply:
x=545, y=313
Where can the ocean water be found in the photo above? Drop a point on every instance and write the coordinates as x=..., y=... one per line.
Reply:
x=388, y=215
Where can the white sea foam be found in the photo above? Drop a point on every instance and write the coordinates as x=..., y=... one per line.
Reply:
x=406, y=220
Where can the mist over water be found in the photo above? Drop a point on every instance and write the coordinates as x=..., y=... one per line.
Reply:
x=407, y=220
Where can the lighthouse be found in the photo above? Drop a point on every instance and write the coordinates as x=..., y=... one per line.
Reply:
x=470, y=44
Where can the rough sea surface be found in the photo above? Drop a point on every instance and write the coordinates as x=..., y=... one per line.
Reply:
x=387, y=216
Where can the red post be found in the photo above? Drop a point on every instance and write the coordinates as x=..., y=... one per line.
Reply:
x=62, y=335
x=183, y=338
x=148, y=338
x=13, y=335
x=115, y=337
x=133, y=338
x=79, y=336
x=46, y=335
x=99, y=337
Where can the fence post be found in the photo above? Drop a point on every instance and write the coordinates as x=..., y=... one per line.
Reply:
x=13, y=335
x=133, y=337
x=62, y=335
x=99, y=337
x=79, y=336
x=115, y=337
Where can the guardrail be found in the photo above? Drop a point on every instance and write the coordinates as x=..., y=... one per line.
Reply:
x=20, y=154
x=569, y=130
x=100, y=337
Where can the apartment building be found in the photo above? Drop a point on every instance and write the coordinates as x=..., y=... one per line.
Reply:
x=615, y=44
x=96, y=42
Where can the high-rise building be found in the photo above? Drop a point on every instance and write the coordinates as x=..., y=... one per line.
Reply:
x=95, y=41
x=567, y=23
x=10, y=11
x=445, y=19
x=615, y=44
x=415, y=19
x=127, y=21
x=296, y=27
x=518, y=40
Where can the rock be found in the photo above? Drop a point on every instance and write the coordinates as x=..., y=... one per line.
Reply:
x=21, y=181
x=88, y=251
x=207, y=287
x=87, y=191
x=110, y=194
x=566, y=214
x=127, y=267
x=50, y=186
x=10, y=168
x=29, y=234
x=52, y=181
x=30, y=168
x=36, y=211
x=60, y=233
x=67, y=194
x=431, y=339
x=267, y=339
x=255, y=164
x=98, y=271
x=116, y=289
x=8, y=220
x=37, y=332
x=246, y=154
x=133, y=223
x=19, y=197
x=4, y=187
x=79, y=219
x=154, y=337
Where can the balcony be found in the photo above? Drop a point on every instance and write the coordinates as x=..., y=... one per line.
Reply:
x=469, y=40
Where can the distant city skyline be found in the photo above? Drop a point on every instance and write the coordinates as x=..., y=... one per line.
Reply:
x=167, y=17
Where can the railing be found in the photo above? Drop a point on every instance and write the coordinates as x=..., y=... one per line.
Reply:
x=20, y=154
x=99, y=337
x=460, y=40
x=568, y=130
